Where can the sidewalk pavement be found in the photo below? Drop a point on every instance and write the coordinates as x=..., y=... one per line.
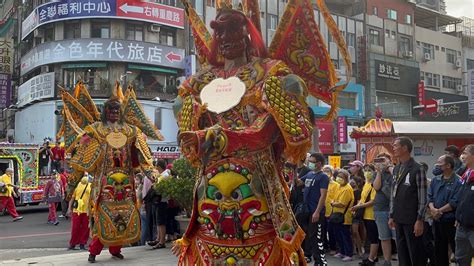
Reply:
x=133, y=256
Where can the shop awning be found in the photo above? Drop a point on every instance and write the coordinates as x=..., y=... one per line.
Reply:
x=152, y=68
x=378, y=127
x=85, y=65
x=434, y=128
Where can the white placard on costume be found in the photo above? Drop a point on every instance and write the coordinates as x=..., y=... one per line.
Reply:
x=223, y=94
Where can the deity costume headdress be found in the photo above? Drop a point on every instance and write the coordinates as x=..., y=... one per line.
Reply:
x=297, y=42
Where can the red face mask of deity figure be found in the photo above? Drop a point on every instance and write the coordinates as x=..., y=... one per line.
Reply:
x=112, y=112
x=230, y=34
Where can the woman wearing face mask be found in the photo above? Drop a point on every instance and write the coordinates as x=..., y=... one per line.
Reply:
x=365, y=206
x=356, y=169
x=343, y=201
x=329, y=235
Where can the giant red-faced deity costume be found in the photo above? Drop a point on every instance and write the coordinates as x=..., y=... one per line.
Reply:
x=241, y=214
x=112, y=147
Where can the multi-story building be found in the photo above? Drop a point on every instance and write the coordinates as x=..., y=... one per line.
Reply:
x=437, y=5
x=389, y=71
x=440, y=57
x=8, y=33
x=98, y=42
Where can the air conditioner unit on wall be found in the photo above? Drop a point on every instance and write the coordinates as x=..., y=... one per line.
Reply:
x=155, y=28
x=459, y=88
x=458, y=63
x=408, y=54
x=427, y=57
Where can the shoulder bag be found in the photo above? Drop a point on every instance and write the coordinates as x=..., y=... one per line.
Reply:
x=338, y=217
x=75, y=203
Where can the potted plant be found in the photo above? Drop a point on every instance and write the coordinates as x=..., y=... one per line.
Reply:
x=180, y=187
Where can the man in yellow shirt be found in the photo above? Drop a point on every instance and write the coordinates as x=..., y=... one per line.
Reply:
x=6, y=194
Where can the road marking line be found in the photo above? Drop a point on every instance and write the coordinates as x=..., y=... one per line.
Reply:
x=46, y=234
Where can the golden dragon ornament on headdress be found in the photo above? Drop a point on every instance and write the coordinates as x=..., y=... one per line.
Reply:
x=297, y=42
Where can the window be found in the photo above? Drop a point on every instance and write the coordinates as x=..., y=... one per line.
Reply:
x=49, y=33
x=405, y=44
x=436, y=80
x=450, y=82
x=408, y=19
x=272, y=22
x=100, y=29
x=443, y=49
x=149, y=83
x=348, y=100
x=391, y=14
x=211, y=3
x=430, y=79
x=350, y=39
x=375, y=11
x=436, y=47
x=428, y=49
x=167, y=2
x=469, y=64
x=168, y=37
x=393, y=35
x=387, y=33
x=450, y=56
x=394, y=105
x=199, y=7
x=97, y=79
x=134, y=32
x=374, y=37
x=72, y=30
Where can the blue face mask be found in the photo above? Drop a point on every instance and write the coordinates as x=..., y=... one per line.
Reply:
x=437, y=171
x=311, y=166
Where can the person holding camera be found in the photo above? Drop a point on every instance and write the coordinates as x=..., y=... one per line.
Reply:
x=79, y=206
x=45, y=154
x=383, y=185
x=7, y=193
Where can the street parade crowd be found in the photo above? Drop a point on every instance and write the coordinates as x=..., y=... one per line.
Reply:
x=259, y=199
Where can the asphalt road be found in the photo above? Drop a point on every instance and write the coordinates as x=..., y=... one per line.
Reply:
x=32, y=236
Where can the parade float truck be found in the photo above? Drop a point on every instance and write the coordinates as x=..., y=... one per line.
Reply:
x=23, y=159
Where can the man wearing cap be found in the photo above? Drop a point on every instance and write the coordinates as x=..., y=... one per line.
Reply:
x=442, y=202
x=408, y=204
x=6, y=194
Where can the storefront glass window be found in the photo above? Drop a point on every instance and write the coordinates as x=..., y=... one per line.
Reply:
x=97, y=79
x=150, y=84
x=394, y=105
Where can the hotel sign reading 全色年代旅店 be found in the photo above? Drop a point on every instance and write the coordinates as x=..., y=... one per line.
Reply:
x=117, y=9
x=102, y=50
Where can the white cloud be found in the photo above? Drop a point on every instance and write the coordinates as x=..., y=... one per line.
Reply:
x=459, y=8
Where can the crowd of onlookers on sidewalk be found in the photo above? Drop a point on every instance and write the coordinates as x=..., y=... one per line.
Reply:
x=417, y=214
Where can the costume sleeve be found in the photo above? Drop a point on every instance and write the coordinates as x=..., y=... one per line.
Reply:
x=284, y=97
x=143, y=158
x=88, y=152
